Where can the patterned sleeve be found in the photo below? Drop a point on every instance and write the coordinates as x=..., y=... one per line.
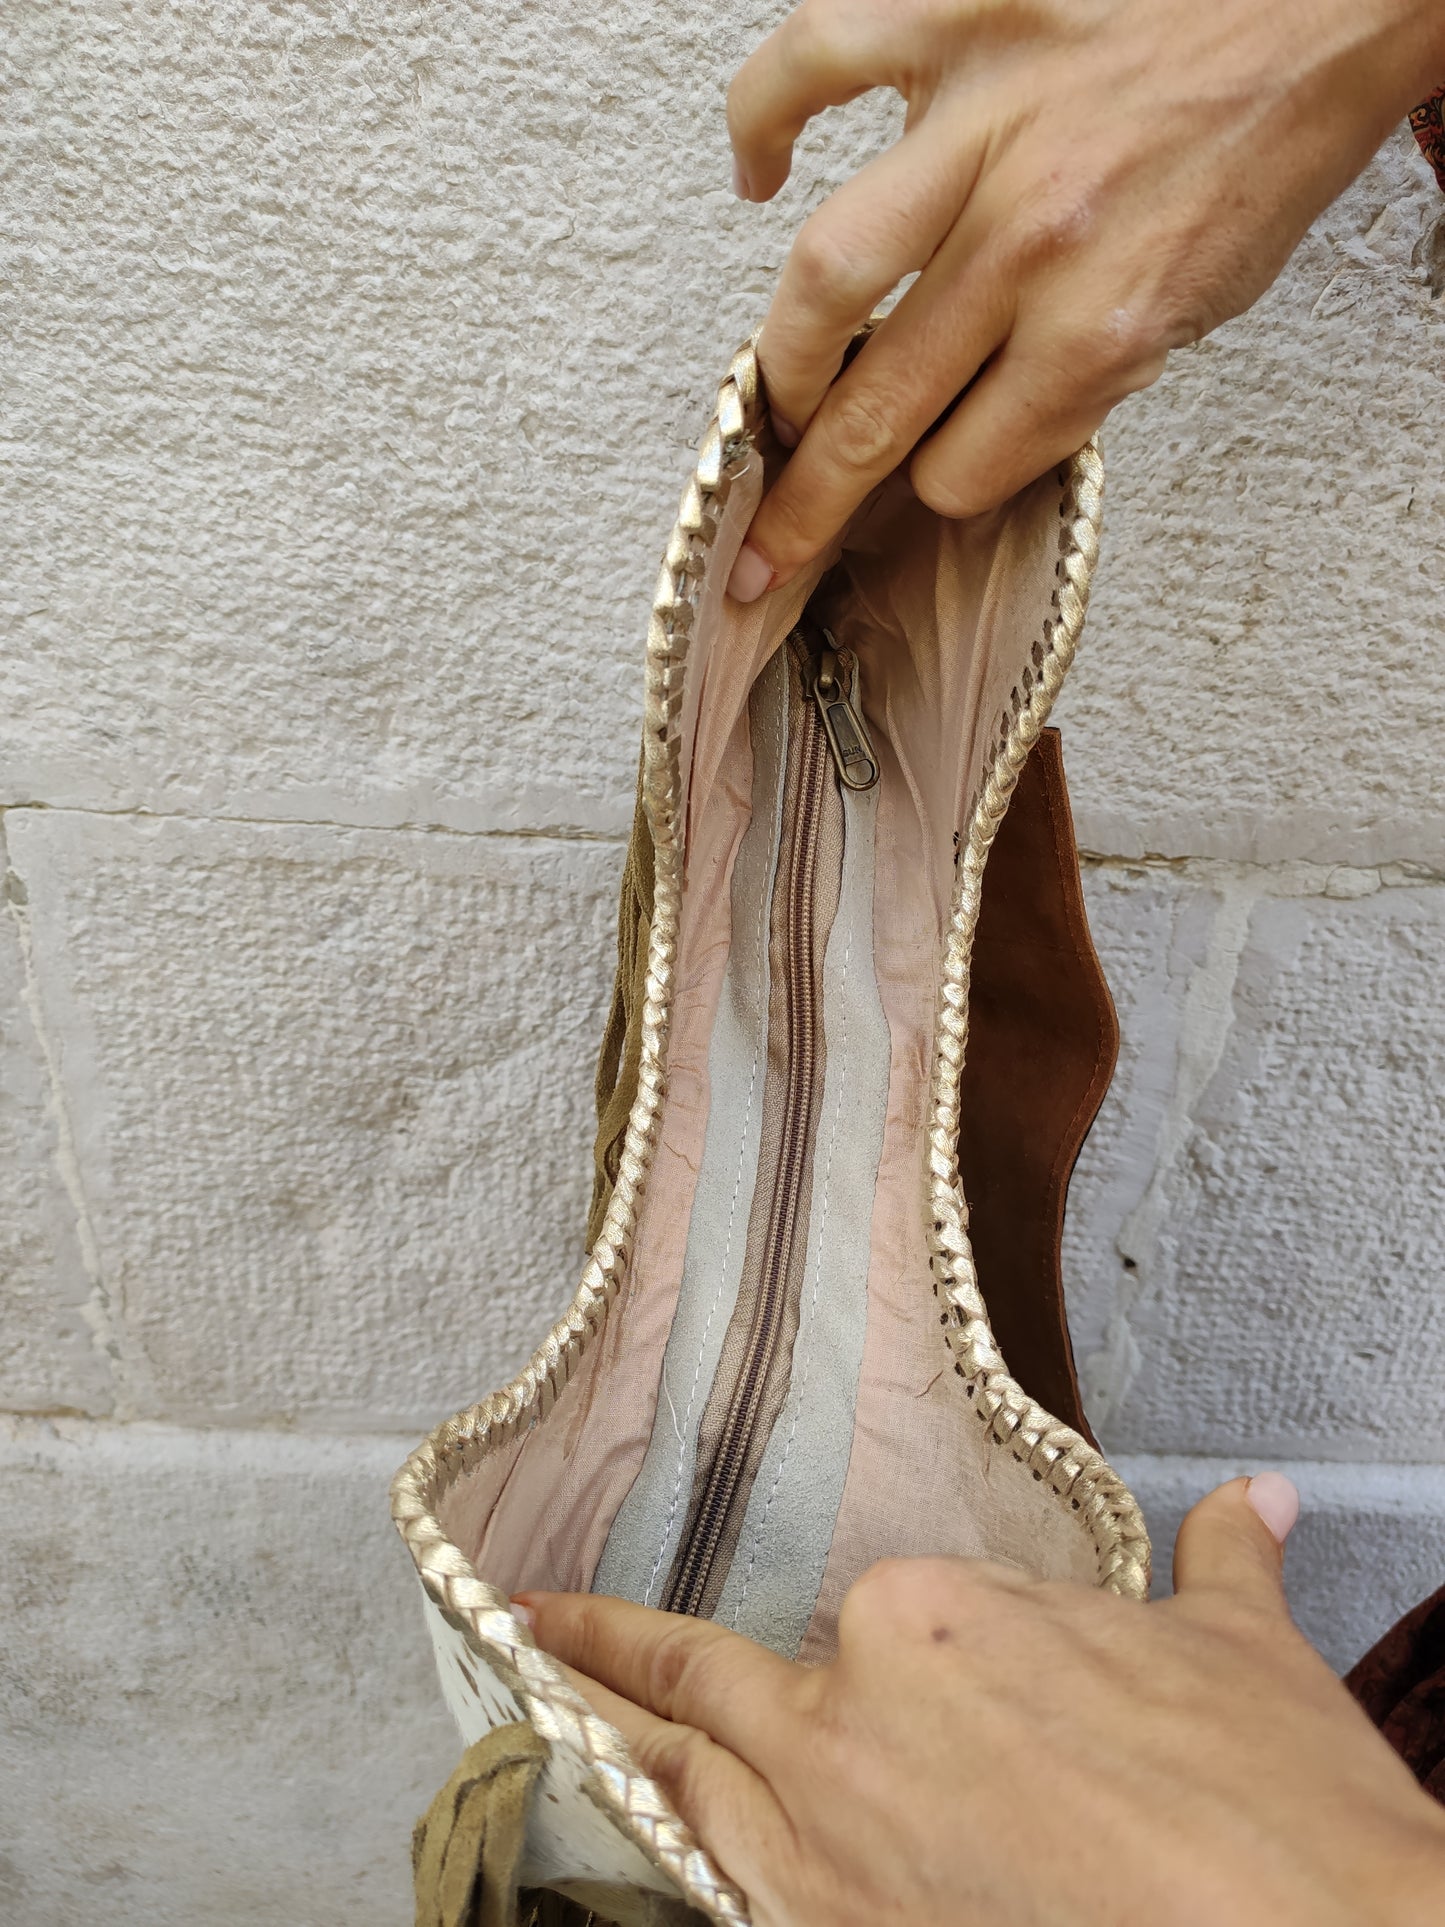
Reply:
x=1428, y=121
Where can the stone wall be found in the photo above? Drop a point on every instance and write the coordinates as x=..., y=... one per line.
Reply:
x=353, y=357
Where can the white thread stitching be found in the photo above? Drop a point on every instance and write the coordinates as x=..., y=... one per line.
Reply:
x=817, y=1270
x=763, y=905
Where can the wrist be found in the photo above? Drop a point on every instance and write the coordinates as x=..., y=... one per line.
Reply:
x=1419, y=32
x=1373, y=60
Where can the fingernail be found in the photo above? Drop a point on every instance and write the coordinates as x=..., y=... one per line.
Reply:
x=740, y=180
x=1276, y=1501
x=752, y=572
x=524, y=1613
x=785, y=432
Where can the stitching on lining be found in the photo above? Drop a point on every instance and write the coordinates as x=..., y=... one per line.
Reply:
x=764, y=904
x=817, y=1270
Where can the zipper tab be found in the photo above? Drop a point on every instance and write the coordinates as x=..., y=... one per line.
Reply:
x=836, y=691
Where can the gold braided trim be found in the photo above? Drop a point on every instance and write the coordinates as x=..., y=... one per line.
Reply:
x=479, y=1611
x=1055, y=1452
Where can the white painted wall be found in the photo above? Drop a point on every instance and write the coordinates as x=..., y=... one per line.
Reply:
x=353, y=355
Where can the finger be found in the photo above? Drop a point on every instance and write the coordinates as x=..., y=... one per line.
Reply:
x=818, y=58
x=1233, y=1542
x=725, y=1802
x=683, y=1669
x=884, y=223
x=930, y=347
x=1032, y=407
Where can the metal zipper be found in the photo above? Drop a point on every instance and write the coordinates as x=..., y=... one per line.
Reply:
x=832, y=729
x=837, y=697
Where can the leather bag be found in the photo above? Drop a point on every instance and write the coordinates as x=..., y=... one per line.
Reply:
x=857, y=1036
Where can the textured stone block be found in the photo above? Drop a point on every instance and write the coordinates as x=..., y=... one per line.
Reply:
x=351, y=369
x=218, y=1699
x=332, y=1094
x=1261, y=647
x=54, y=1332
x=1276, y=1282
x=352, y=365
x=1370, y=1543
x=216, y=1689
x=1152, y=929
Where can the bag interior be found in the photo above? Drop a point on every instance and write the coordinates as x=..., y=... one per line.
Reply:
x=685, y=1464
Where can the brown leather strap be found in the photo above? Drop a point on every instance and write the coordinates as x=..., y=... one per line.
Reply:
x=1042, y=1042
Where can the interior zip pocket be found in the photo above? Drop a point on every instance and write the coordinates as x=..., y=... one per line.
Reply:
x=830, y=757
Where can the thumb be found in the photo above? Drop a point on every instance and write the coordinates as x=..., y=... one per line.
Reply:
x=1233, y=1541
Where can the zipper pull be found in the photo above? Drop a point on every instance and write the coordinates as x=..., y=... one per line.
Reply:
x=841, y=712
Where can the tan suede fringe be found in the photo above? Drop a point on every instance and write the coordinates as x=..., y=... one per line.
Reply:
x=620, y=1060
x=466, y=1851
x=467, y=1848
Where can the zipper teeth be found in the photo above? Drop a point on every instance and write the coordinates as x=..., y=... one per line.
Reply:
x=685, y=1595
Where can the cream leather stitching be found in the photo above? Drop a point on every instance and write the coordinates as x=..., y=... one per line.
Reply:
x=817, y=1268
x=763, y=906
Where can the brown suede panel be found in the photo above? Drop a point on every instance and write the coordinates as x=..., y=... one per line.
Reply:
x=1400, y=1683
x=619, y=1061
x=1042, y=1042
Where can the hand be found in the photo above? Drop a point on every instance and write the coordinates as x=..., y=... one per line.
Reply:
x=1084, y=185
x=988, y=1747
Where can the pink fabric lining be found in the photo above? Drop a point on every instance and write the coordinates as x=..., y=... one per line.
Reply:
x=943, y=617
